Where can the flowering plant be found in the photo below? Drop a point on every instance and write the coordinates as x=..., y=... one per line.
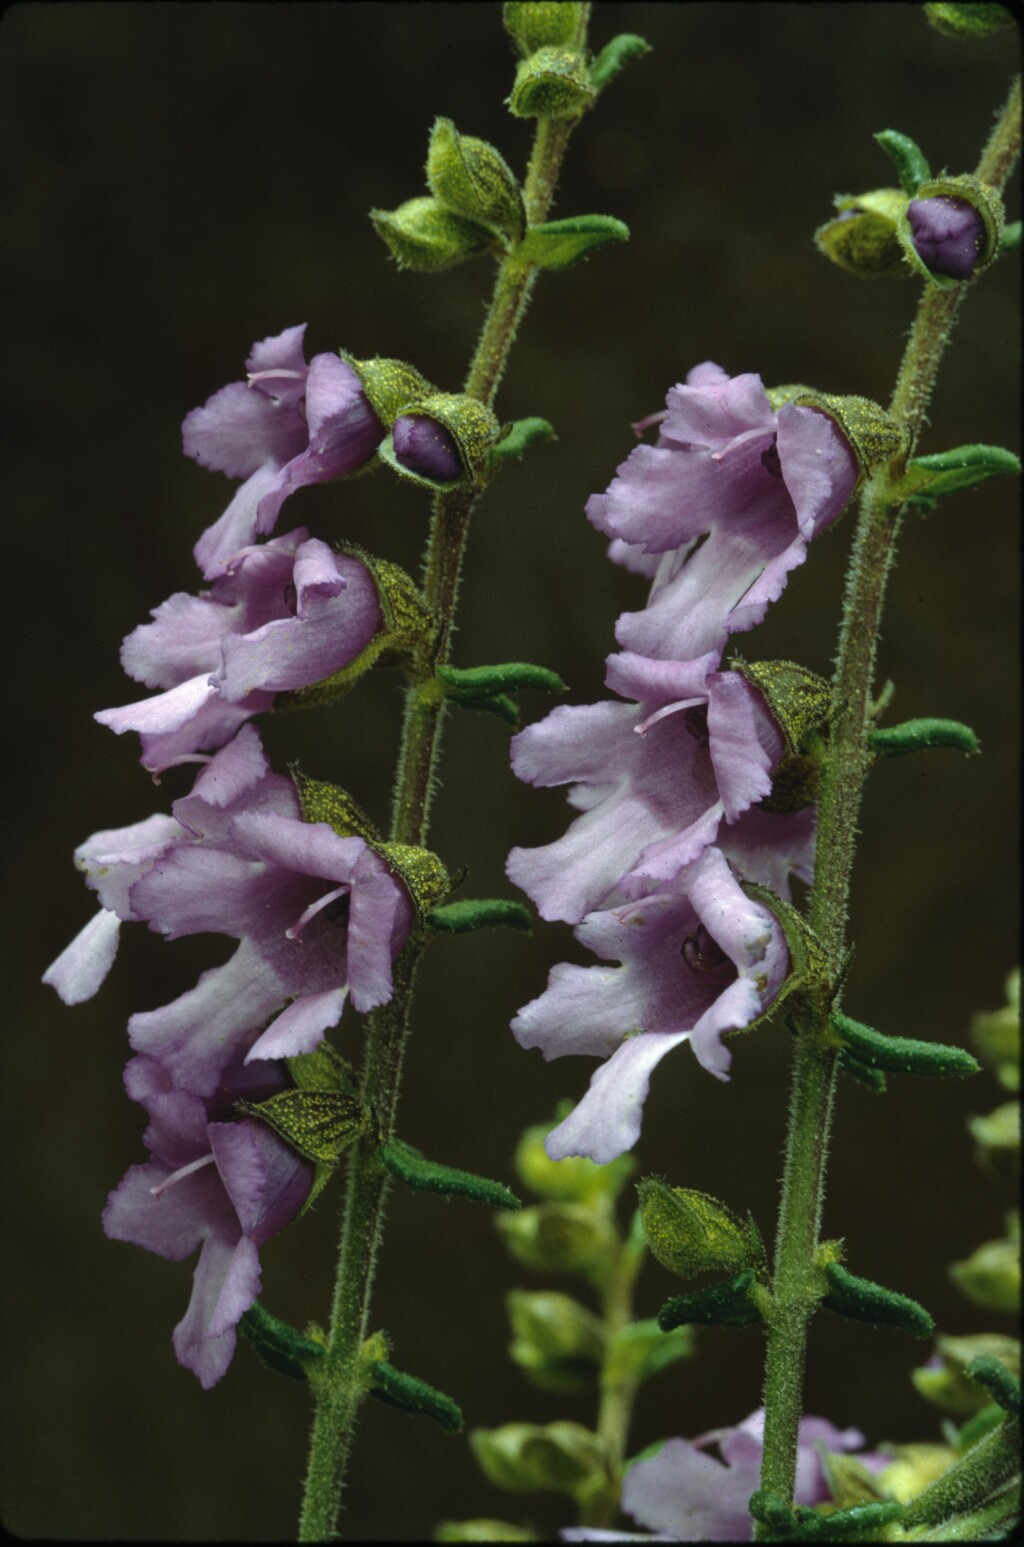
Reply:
x=702, y=806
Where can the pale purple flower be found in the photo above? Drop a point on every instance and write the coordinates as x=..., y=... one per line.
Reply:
x=685, y=1495
x=948, y=234
x=424, y=446
x=654, y=779
x=729, y=499
x=698, y=958
x=288, y=424
x=210, y=1182
x=282, y=615
x=318, y=918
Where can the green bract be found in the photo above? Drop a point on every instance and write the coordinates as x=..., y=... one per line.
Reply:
x=473, y=180
x=861, y=238
x=551, y=83
x=422, y=234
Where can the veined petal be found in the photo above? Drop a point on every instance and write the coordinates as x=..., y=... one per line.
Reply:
x=300, y=1027
x=236, y=528
x=606, y=1123
x=226, y=1282
x=82, y=966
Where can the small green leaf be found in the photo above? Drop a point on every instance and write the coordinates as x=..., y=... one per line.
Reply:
x=863, y=1300
x=997, y=1380
x=1010, y=239
x=917, y=735
x=928, y=479
x=405, y=1162
x=413, y=1395
x=860, y=1522
x=280, y=1346
x=900, y=1055
x=727, y=1304
x=320, y=1124
x=907, y=157
x=560, y=243
x=615, y=56
x=466, y=683
x=461, y=918
x=520, y=434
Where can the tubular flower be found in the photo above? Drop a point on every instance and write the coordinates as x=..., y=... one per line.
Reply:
x=318, y=917
x=226, y=1186
x=654, y=779
x=288, y=424
x=281, y=615
x=720, y=510
x=686, y=1495
x=699, y=958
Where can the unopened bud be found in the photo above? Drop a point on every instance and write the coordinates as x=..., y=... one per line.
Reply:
x=990, y=1276
x=943, y=1381
x=423, y=235
x=996, y=1035
x=423, y=446
x=951, y=230
x=690, y=1232
x=572, y=1180
x=534, y=24
x=557, y=1341
x=441, y=439
x=967, y=19
x=473, y=180
x=551, y=83
x=560, y=1237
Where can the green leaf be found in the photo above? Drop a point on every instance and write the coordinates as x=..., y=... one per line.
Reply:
x=900, y=1055
x=997, y=1380
x=917, y=735
x=520, y=434
x=863, y=1300
x=1010, y=239
x=928, y=479
x=860, y=1522
x=413, y=1395
x=405, y=1162
x=727, y=1304
x=461, y=918
x=559, y=244
x=280, y=1346
x=320, y=1124
x=466, y=683
x=907, y=157
x=615, y=56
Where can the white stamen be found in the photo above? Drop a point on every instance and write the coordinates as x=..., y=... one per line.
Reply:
x=659, y=714
x=254, y=376
x=176, y=1176
x=296, y=929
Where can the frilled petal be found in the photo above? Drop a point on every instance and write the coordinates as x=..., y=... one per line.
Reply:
x=114, y=859
x=236, y=528
x=659, y=862
x=313, y=848
x=199, y=889
x=171, y=1222
x=744, y=742
x=236, y=770
x=182, y=642
x=588, y=742
x=819, y=466
x=378, y=904
x=713, y=408
x=769, y=847
x=278, y=366
x=82, y=966
x=265, y=1179
x=300, y=1028
x=606, y=1123
x=214, y=724
x=164, y=712
x=226, y=1282
x=691, y=1495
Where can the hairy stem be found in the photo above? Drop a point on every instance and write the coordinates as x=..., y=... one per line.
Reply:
x=341, y=1388
x=840, y=799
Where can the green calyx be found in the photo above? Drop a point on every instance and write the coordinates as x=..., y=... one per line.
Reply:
x=968, y=20
x=691, y=1232
x=991, y=1276
x=800, y=703
x=989, y=205
x=408, y=626
x=561, y=1238
x=862, y=1300
x=558, y=1457
x=413, y=1395
x=928, y=479
x=918, y=735
x=280, y=1347
x=809, y=975
x=420, y=870
x=573, y=1180
x=556, y=1340
x=388, y=384
x=424, y=235
x=861, y=237
x=472, y=913
x=728, y=1304
x=542, y=23
x=908, y=159
x=412, y=1168
x=553, y=82
x=320, y=1124
x=558, y=244
x=473, y=180
x=471, y=425
x=899, y=1055
x=996, y=1035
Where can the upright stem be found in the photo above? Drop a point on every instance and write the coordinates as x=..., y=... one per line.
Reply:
x=840, y=798
x=340, y=1387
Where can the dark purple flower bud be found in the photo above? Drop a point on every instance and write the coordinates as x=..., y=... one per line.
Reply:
x=424, y=446
x=948, y=234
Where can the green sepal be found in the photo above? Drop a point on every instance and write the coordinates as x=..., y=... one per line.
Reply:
x=464, y=684
x=907, y=157
x=862, y=1300
x=388, y=385
x=424, y=236
x=562, y=1457
x=859, y=1522
x=861, y=237
x=559, y=244
x=917, y=735
x=413, y=1395
x=553, y=82
x=809, y=975
x=557, y=1342
x=461, y=918
x=691, y=1232
x=799, y=700
x=405, y=1162
x=1010, y=239
x=408, y=626
x=873, y=434
x=615, y=56
x=280, y=1346
x=988, y=203
x=990, y=1276
x=424, y=876
x=474, y=180
x=727, y=1304
x=515, y=437
x=319, y=1124
x=997, y=1380
x=899, y=1055
x=967, y=20
x=643, y=1349
x=534, y=24
x=322, y=1069
x=927, y=479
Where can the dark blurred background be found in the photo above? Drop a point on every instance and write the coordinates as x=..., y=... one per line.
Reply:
x=184, y=179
